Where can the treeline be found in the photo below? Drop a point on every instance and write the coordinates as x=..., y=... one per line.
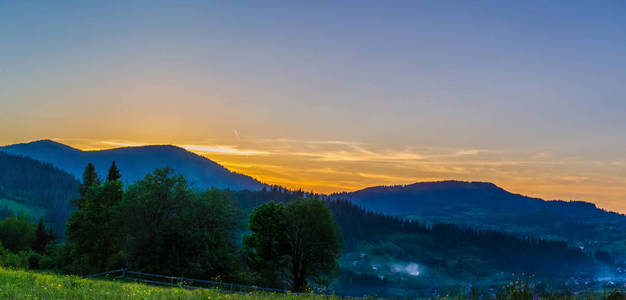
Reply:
x=159, y=224
x=38, y=184
x=247, y=200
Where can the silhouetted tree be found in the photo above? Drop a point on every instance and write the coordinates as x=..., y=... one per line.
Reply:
x=41, y=237
x=114, y=173
x=90, y=178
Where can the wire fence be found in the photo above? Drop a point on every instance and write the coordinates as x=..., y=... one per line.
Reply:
x=192, y=283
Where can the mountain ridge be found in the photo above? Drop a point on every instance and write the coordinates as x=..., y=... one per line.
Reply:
x=485, y=206
x=447, y=184
x=135, y=162
x=45, y=149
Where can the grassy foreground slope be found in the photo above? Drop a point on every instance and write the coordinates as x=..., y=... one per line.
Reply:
x=18, y=284
x=15, y=284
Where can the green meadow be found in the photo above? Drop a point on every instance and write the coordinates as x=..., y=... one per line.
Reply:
x=22, y=209
x=18, y=284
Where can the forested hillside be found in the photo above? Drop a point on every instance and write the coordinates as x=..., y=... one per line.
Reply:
x=385, y=253
x=36, y=186
x=445, y=199
x=485, y=206
x=413, y=240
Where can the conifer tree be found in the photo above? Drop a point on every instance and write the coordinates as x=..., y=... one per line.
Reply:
x=114, y=173
x=52, y=237
x=90, y=178
x=41, y=237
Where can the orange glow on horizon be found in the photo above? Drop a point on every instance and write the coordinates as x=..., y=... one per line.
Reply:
x=332, y=166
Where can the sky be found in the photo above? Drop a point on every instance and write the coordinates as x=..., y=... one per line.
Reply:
x=334, y=95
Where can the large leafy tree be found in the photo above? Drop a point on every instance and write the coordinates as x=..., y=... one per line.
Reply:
x=266, y=248
x=169, y=229
x=17, y=233
x=299, y=240
x=314, y=243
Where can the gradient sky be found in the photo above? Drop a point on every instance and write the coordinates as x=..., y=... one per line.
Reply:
x=333, y=96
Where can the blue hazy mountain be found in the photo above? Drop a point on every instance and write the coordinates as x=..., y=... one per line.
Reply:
x=135, y=162
x=487, y=206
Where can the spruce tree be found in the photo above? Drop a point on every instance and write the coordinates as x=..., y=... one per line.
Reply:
x=52, y=237
x=90, y=178
x=114, y=173
x=41, y=237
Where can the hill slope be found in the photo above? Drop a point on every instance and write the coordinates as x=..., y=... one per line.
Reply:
x=37, y=189
x=136, y=162
x=391, y=256
x=487, y=206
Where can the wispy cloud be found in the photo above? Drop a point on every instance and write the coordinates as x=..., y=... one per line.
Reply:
x=473, y=151
x=222, y=149
x=122, y=144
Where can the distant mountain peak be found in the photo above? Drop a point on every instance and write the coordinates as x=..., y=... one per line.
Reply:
x=41, y=145
x=44, y=143
x=146, y=148
x=455, y=183
x=434, y=185
x=476, y=203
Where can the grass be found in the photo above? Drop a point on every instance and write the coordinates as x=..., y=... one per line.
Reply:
x=22, y=209
x=17, y=284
